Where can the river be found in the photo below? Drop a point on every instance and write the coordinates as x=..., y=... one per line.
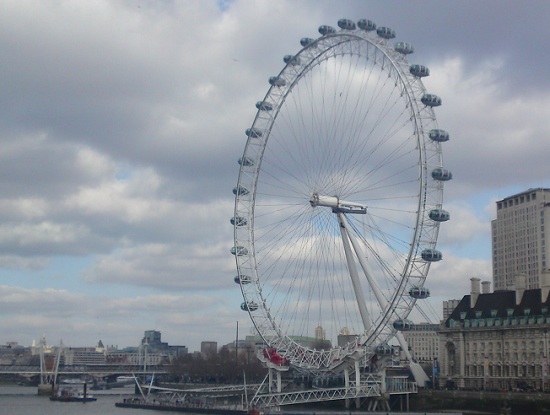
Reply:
x=23, y=400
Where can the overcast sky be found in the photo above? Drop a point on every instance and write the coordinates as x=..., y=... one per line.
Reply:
x=121, y=123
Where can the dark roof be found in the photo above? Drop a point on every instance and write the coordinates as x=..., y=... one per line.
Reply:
x=501, y=301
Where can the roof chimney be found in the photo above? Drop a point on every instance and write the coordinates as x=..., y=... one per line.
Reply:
x=521, y=281
x=474, y=294
x=486, y=287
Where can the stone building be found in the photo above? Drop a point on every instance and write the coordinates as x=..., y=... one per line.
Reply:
x=423, y=340
x=497, y=340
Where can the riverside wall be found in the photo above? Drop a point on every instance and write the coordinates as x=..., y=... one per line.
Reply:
x=520, y=403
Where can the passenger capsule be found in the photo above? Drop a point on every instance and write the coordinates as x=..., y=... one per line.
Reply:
x=240, y=191
x=403, y=325
x=404, y=48
x=253, y=132
x=419, y=292
x=306, y=41
x=419, y=71
x=246, y=161
x=432, y=255
x=238, y=221
x=242, y=279
x=383, y=350
x=326, y=30
x=439, y=215
x=431, y=100
x=439, y=135
x=277, y=81
x=251, y=306
x=442, y=174
x=346, y=24
x=367, y=25
x=264, y=106
x=385, y=32
x=239, y=250
x=292, y=60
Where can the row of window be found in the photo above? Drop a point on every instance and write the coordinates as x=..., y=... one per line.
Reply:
x=505, y=370
x=516, y=201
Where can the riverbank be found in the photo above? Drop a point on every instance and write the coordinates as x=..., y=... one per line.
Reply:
x=138, y=403
x=482, y=401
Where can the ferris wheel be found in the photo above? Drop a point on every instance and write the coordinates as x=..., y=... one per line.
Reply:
x=339, y=197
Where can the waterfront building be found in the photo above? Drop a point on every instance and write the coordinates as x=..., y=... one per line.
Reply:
x=209, y=348
x=423, y=340
x=497, y=340
x=12, y=353
x=245, y=349
x=257, y=342
x=519, y=239
x=135, y=356
x=82, y=356
x=152, y=340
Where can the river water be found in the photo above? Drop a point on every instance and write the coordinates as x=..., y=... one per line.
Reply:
x=23, y=400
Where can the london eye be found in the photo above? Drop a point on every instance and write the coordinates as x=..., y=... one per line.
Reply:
x=339, y=198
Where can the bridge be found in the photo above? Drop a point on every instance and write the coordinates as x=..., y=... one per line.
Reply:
x=96, y=370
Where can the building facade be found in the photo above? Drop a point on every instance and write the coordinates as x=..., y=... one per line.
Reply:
x=498, y=340
x=209, y=348
x=519, y=239
x=423, y=340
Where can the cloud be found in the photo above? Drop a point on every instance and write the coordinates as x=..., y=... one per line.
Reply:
x=165, y=266
x=465, y=225
x=493, y=136
x=450, y=280
x=121, y=124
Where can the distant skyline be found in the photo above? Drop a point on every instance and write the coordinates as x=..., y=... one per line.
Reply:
x=121, y=123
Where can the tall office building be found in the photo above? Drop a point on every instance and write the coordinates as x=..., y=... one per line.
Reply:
x=518, y=239
x=448, y=307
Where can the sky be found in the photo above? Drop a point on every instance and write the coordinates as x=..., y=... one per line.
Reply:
x=121, y=123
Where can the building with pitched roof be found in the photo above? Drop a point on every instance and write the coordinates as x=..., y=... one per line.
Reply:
x=497, y=340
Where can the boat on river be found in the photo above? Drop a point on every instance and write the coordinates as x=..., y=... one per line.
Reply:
x=69, y=395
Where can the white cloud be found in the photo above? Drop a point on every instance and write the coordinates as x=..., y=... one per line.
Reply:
x=121, y=125
x=494, y=137
x=450, y=277
x=464, y=226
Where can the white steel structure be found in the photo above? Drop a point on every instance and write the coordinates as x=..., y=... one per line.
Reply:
x=339, y=196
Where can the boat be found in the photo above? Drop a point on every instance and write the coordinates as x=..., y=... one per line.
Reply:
x=69, y=395
x=126, y=380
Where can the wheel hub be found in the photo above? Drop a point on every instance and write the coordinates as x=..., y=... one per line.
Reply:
x=336, y=204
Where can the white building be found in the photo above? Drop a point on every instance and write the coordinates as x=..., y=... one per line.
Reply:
x=83, y=356
x=423, y=340
x=499, y=340
x=518, y=238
